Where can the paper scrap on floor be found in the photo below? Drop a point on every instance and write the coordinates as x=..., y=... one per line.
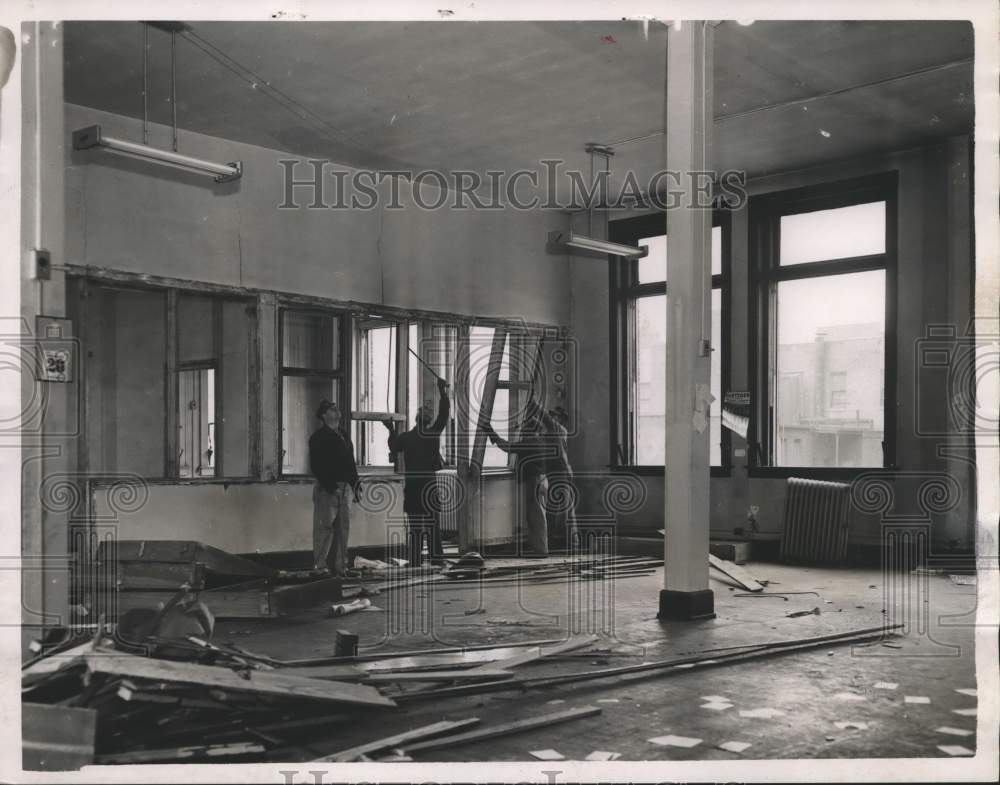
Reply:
x=954, y=731
x=970, y=691
x=885, y=685
x=715, y=699
x=607, y=700
x=734, y=746
x=916, y=699
x=547, y=755
x=852, y=725
x=955, y=749
x=965, y=712
x=717, y=706
x=849, y=696
x=603, y=755
x=761, y=713
x=675, y=741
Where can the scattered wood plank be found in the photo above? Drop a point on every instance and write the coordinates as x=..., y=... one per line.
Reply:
x=261, y=683
x=56, y=738
x=494, y=731
x=737, y=573
x=215, y=560
x=176, y=754
x=535, y=654
x=473, y=674
x=346, y=756
x=163, y=575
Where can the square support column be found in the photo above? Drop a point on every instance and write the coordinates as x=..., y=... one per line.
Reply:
x=686, y=594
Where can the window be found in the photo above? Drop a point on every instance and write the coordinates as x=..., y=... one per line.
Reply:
x=166, y=387
x=379, y=345
x=437, y=345
x=639, y=335
x=824, y=269
x=480, y=352
x=311, y=370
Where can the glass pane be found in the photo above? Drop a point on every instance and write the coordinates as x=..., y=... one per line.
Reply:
x=831, y=364
x=715, y=411
x=125, y=381
x=232, y=430
x=480, y=349
x=371, y=443
x=653, y=266
x=413, y=370
x=650, y=379
x=858, y=230
x=196, y=423
x=310, y=341
x=300, y=398
x=439, y=353
x=716, y=250
x=375, y=369
x=494, y=456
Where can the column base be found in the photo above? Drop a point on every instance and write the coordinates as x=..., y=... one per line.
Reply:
x=686, y=605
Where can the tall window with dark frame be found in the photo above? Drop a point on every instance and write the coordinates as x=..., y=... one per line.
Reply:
x=639, y=291
x=824, y=265
x=311, y=370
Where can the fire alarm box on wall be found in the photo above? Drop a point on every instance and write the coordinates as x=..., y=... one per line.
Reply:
x=56, y=349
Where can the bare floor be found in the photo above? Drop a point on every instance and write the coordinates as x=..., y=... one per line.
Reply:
x=812, y=691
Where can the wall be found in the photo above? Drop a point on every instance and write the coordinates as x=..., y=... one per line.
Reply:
x=933, y=285
x=130, y=216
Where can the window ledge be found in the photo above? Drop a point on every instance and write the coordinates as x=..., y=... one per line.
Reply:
x=812, y=472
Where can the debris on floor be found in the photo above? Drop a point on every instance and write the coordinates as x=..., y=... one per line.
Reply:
x=885, y=685
x=963, y=580
x=916, y=699
x=955, y=749
x=954, y=731
x=971, y=691
x=547, y=755
x=734, y=746
x=675, y=741
x=764, y=714
x=797, y=614
x=965, y=712
x=851, y=725
x=602, y=755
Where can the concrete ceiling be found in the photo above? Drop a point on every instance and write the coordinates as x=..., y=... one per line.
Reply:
x=504, y=95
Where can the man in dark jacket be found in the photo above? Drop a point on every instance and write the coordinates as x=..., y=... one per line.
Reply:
x=421, y=460
x=331, y=460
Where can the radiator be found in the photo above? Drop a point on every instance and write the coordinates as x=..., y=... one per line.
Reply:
x=450, y=497
x=816, y=520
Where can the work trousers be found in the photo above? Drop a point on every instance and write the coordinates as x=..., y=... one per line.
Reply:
x=331, y=527
x=537, y=528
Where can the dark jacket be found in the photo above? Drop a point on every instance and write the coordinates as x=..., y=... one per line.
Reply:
x=331, y=458
x=421, y=455
x=537, y=454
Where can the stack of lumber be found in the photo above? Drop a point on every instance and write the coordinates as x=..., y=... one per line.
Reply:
x=135, y=574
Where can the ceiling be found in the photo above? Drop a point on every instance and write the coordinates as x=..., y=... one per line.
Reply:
x=504, y=95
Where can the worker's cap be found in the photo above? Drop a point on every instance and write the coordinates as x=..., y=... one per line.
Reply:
x=325, y=405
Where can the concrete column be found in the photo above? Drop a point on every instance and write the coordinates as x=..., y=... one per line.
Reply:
x=689, y=226
x=51, y=491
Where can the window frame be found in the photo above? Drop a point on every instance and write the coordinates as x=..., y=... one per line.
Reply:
x=766, y=211
x=340, y=374
x=625, y=290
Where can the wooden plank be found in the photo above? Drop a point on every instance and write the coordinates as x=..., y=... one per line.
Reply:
x=536, y=654
x=133, y=575
x=737, y=573
x=296, y=596
x=176, y=754
x=519, y=726
x=348, y=755
x=269, y=683
x=474, y=674
x=56, y=738
x=223, y=603
x=216, y=560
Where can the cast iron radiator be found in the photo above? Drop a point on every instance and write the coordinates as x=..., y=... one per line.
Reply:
x=816, y=520
x=449, y=495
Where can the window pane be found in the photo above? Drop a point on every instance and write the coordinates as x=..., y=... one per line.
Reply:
x=310, y=341
x=439, y=353
x=126, y=361
x=375, y=368
x=650, y=379
x=715, y=411
x=653, y=266
x=300, y=398
x=413, y=371
x=480, y=349
x=716, y=250
x=494, y=456
x=831, y=364
x=841, y=233
x=196, y=423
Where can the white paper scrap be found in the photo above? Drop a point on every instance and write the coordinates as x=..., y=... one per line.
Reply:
x=955, y=749
x=734, y=746
x=675, y=741
x=547, y=755
x=885, y=685
x=954, y=731
x=603, y=755
x=916, y=699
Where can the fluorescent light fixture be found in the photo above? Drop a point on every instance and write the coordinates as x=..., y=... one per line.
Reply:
x=90, y=137
x=559, y=241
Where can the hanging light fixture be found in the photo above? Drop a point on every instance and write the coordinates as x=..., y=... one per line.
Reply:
x=91, y=137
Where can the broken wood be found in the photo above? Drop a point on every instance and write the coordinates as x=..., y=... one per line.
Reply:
x=473, y=674
x=56, y=738
x=176, y=754
x=737, y=573
x=215, y=560
x=536, y=654
x=346, y=756
x=261, y=683
x=494, y=731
